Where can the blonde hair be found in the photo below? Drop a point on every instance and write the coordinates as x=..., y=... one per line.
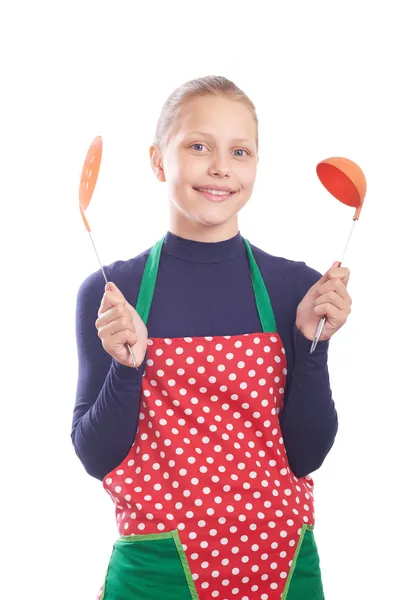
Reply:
x=211, y=85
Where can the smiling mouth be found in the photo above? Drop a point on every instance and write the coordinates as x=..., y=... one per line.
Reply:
x=215, y=195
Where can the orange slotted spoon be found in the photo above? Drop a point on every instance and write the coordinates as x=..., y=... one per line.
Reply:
x=88, y=182
x=345, y=180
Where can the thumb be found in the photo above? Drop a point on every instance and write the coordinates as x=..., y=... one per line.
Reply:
x=111, y=297
x=326, y=275
x=117, y=295
x=319, y=282
x=324, y=278
x=110, y=287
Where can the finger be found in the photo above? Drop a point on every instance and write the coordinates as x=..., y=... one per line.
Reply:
x=341, y=273
x=315, y=287
x=109, y=300
x=331, y=312
x=115, y=312
x=335, y=285
x=111, y=287
x=332, y=298
x=115, y=327
x=126, y=336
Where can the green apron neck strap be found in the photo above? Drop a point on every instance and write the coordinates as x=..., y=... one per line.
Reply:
x=262, y=299
x=147, y=287
x=263, y=304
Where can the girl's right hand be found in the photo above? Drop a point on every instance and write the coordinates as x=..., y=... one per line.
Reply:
x=118, y=323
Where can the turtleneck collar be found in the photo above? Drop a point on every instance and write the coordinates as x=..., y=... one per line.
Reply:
x=204, y=252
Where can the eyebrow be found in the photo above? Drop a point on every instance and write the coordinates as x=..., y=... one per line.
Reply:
x=204, y=134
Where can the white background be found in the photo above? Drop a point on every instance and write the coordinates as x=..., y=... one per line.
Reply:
x=323, y=76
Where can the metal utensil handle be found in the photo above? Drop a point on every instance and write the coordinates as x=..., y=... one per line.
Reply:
x=323, y=320
x=132, y=356
x=317, y=334
x=106, y=281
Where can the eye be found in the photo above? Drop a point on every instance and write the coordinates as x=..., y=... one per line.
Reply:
x=241, y=150
x=195, y=146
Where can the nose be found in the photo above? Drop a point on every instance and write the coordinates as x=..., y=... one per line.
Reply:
x=219, y=168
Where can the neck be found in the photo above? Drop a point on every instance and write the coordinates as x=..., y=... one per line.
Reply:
x=188, y=229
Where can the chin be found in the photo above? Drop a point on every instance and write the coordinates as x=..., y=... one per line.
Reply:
x=217, y=215
x=213, y=220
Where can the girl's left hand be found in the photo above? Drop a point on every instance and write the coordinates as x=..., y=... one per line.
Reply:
x=327, y=298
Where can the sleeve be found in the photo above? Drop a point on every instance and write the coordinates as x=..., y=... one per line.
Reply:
x=309, y=421
x=107, y=401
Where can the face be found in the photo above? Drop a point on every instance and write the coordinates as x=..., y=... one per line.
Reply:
x=209, y=163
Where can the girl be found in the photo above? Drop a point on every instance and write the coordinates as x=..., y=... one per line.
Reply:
x=206, y=448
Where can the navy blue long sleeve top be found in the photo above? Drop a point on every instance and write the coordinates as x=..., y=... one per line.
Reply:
x=203, y=289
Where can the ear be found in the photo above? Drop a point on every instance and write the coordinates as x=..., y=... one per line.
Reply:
x=156, y=162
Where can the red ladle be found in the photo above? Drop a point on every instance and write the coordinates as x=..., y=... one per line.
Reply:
x=345, y=180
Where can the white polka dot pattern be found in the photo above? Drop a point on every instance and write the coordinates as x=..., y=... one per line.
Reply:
x=209, y=461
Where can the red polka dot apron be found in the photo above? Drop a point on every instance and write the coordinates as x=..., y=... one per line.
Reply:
x=206, y=503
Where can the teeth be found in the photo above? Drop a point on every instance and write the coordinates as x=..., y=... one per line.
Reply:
x=214, y=192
